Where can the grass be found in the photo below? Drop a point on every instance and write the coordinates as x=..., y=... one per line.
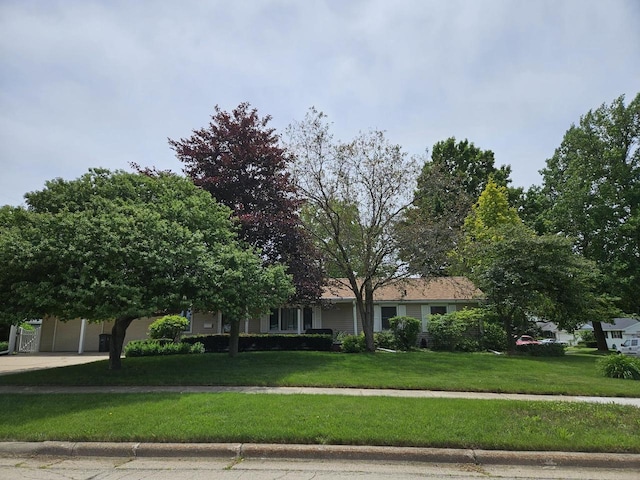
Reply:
x=310, y=419
x=481, y=372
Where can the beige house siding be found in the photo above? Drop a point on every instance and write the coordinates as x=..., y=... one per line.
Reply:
x=339, y=318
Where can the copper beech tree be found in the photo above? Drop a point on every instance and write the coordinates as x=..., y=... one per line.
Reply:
x=238, y=159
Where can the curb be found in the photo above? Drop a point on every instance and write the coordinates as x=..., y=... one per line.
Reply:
x=320, y=452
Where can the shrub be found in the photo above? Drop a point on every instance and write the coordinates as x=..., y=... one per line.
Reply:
x=148, y=348
x=619, y=366
x=4, y=346
x=456, y=331
x=384, y=339
x=405, y=331
x=354, y=344
x=494, y=337
x=542, y=350
x=220, y=342
x=169, y=326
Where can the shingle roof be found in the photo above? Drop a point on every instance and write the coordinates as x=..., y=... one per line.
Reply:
x=453, y=289
x=619, y=324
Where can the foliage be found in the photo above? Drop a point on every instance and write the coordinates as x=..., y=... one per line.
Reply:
x=493, y=337
x=587, y=336
x=405, y=331
x=146, y=348
x=619, y=366
x=220, y=342
x=116, y=245
x=354, y=344
x=355, y=194
x=522, y=274
x=238, y=160
x=591, y=188
x=169, y=326
x=4, y=346
x=455, y=331
x=450, y=181
x=542, y=350
x=384, y=339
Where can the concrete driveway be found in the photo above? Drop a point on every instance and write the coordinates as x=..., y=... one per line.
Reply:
x=22, y=362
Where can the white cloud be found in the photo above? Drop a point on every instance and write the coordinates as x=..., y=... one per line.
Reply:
x=92, y=83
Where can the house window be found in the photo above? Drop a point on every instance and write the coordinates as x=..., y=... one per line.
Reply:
x=307, y=318
x=438, y=310
x=386, y=314
x=606, y=334
x=616, y=334
x=189, y=316
x=284, y=320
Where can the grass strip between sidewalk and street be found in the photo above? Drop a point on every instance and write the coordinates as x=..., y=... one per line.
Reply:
x=574, y=374
x=321, y=419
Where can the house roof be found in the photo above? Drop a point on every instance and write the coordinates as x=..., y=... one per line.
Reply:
x=450, y=289
x=618, y=324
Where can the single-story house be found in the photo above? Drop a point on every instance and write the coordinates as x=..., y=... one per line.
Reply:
x=414, y=297
x=617, y=332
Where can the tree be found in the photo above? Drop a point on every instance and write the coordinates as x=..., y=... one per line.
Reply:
x=448, y=185
x=591, y=186
x=120, y=246
x=239, y=161
x=522, y=274
x=355, y=194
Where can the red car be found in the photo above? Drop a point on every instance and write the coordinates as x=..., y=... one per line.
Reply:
x=527, y=340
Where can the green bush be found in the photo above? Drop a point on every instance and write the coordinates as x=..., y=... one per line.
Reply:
x=4, y=346
x=619, y=366
x=542, y=350
x=169, y=326
x=494, y=337
x=354, y=344
x=405, y=331
x=384, y=339
x=456, y=331
x=153, y=347
x=263, y=342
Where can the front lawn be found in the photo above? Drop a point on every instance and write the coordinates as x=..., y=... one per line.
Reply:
x=425, y=370
x=321, y=419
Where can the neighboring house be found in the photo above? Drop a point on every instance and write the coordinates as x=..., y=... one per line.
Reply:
x=414, y=297
x=551, y=330
x=620, y=330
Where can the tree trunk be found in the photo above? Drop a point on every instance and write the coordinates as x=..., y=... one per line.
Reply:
x=368, y=313
x=118, y=333
x=601, y=340
x=234, y=337
x=511, y=340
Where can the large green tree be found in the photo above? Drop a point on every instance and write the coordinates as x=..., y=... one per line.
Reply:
x=355, y=194
x=524, y=275
x=591, y=193
x=120, y=246
x=449, y=183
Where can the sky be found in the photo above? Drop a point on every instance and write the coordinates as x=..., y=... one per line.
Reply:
x=98, y=83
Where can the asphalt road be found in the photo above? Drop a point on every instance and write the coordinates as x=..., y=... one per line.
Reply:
x=122, y=468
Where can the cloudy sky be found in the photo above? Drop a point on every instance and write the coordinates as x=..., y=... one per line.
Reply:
x=87, y=83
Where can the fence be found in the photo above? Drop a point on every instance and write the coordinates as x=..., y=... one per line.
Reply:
x=28, y=340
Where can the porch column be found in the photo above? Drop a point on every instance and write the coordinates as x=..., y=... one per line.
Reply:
x=246, y=325
x=355, y=318
x=83, y=328
x=299, y=313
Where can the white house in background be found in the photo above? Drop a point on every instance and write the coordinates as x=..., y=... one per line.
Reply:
x=551, y=330
x=414, y=297
x=617, y=332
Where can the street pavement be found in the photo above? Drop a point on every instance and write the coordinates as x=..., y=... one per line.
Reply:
x=242, y=452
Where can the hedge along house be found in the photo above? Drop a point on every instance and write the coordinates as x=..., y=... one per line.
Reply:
x=415, y=297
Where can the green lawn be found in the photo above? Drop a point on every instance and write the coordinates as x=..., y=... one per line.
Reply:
x=312, y=419
x=481, y=372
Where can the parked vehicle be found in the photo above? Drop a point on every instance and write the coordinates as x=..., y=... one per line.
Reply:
x=548, y=341
x=527, y=340
x=631, y=346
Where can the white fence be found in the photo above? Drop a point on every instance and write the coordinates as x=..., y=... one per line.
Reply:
x=28, y=340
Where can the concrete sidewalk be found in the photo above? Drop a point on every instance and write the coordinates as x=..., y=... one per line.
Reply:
x=23, y=362
x=359, y=392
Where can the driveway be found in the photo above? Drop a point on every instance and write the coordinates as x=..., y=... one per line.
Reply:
x=22, y=362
